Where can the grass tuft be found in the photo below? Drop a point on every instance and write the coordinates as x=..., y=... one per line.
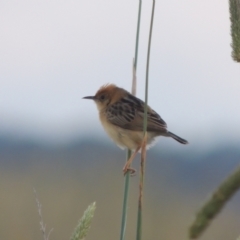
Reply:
x=84, y=224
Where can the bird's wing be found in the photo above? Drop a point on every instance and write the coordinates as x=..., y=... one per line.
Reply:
x=128, y=113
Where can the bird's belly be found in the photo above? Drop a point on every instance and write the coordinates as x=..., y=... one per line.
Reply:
x=126, y=138
x=120, y=137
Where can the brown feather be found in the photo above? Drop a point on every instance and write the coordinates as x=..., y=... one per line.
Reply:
x=128, y=113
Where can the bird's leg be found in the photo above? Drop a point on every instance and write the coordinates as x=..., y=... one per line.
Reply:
x=128, y=163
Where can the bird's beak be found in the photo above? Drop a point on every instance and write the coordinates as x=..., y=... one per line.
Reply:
x=89, y=97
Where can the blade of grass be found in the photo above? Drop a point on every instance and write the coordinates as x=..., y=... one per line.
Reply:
x=215, y=204
x=127, y=177
x=143, y=153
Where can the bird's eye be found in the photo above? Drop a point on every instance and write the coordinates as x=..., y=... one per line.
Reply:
x=102, y=97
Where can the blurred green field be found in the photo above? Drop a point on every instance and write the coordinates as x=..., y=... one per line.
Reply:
x=68, y=178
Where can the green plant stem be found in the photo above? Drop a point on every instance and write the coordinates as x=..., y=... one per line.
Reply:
x=143, y=155
x=147, y=69
x=125, y=201
x=127, y=177
x=137, y=34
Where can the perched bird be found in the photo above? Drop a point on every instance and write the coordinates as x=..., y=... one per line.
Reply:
x=122, y=114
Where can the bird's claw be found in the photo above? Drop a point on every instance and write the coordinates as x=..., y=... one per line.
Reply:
x=131, y=170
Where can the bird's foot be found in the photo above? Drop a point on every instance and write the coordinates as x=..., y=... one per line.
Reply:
x=128, y=169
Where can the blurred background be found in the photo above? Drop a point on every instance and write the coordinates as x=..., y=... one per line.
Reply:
x=53, y=53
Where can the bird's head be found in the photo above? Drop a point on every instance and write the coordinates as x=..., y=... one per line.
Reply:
x=106, y=95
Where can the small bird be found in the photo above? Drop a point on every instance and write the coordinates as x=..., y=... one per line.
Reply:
x=122, y=114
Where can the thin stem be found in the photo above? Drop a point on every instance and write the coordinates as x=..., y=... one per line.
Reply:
x=43, y=226
x=140, y=198
x=143, y=153
x=127, y=177
x=147, y=69
x=125, y=201
x=134, y=80
x=137, y=34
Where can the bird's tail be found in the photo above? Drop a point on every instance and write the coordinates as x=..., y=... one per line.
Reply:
x=177, y=138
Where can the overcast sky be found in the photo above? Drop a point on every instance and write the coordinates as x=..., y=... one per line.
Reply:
x=53, y=53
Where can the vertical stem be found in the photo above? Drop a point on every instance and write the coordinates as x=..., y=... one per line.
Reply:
x=137, y=34
x=143, y=154
x=147, y=69
x=127, y=177
x=134, y=80
x=141, y=181
x=125, y=201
